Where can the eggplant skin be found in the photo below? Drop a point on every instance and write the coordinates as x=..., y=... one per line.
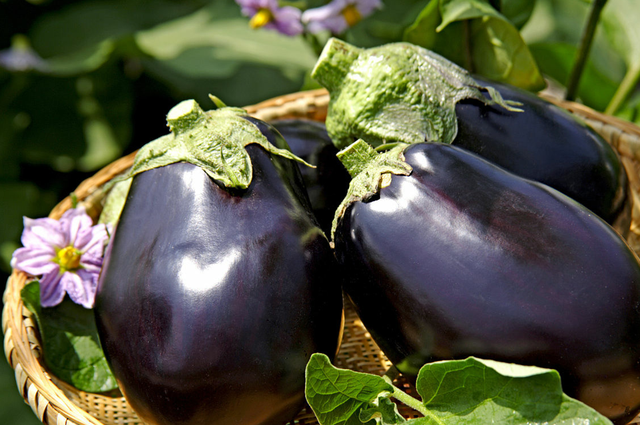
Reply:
x=463, y=258
x=547, y=144
x=210, y=303
x=327, y=184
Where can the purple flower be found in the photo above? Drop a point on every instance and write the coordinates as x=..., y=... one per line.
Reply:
x=268, y=14
x=66, y=253
x=339, y=15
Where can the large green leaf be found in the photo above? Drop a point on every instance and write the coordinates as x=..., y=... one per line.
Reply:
x=203, y=37
x=83, y=25
x=499, y=53
x=474, y=35
x=70, y=341
x=475, y=391
x=338, y=395
x=455, y=392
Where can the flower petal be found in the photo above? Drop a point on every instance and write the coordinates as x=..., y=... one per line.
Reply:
x=287, y=20
x=42, y=231
x=34, y=261
x=92, y=240
x=51, y=291
x=81, y=287
x=74, y=224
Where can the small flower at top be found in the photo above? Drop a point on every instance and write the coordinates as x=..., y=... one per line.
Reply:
x=268, y=14
x=65, y=254
x=339, y=15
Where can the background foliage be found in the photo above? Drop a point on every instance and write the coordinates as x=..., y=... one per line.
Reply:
x=100, y=75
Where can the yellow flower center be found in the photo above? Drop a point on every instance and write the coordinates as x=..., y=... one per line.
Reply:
x=262, y=18
x=68, y=258
x=351, y=15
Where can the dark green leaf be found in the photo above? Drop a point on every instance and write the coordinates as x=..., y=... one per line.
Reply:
x=475, y=391
x=500, y=53
x=217, y=41
x=70, y=342
x=460, y=10
x=495, y=48
x=83, y=25
x=517, y=11
x=337, y=395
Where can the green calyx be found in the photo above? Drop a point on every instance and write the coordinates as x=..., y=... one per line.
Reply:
x=398, y=92
x=213, y=140
x=370, y=171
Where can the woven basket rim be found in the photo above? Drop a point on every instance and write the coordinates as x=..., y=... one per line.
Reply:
x=21, y=341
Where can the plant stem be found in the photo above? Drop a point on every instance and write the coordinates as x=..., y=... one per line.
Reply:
x=585, y=47
x=625, y=88
x=466, y=25
x=415, y=404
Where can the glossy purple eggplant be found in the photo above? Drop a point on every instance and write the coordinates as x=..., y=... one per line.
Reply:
x=212, y=300
x=326, y=184
x=463, y=258
x=547, y=144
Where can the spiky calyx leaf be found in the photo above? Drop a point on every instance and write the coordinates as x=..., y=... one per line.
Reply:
x=213, y=140
x=397, y=92
x=370, y=171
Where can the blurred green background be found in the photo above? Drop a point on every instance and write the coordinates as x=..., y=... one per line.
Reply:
x=85, y=82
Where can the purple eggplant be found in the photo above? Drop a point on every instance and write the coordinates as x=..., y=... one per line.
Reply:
x=547, y=144
x=458, y=257
x=400, y=92
x=212, y=298
x=326, y=184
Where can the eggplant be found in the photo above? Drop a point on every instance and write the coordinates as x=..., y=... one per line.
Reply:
x=400, y=92
x=457, y=257
x=328, y=182
x=212, y=298
x=548, y=144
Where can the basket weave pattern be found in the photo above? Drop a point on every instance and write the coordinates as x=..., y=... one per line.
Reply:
x=56, y=403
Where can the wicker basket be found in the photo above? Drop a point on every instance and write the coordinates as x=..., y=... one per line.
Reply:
x=56, y=403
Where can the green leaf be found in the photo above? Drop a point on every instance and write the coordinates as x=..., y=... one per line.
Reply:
x=459, y=10
x=223, y=43
x=499, y=53
x=473, y=34
x=517, y=11
x=70, y=342
x=84, y=60
x=83, y=25
x=337, y=396
x=475, y=391
x=455, y=392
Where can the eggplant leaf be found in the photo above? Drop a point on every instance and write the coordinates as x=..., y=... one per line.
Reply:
x=494, y=47
x=337, y=396
x=475, y=391
x=460, y=392
x=70, y=342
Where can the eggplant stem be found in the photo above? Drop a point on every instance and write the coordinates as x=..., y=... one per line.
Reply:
x=583, y=51
x=415, y=404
